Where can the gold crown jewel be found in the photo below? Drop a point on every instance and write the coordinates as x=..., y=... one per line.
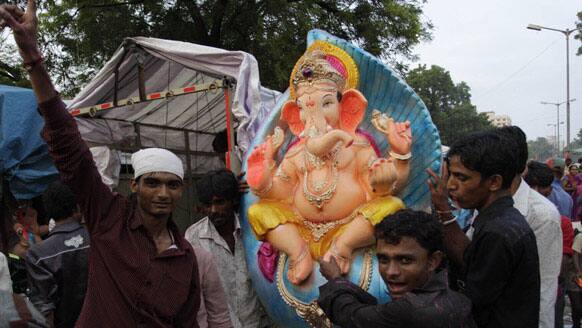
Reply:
x=314, y=67
x=324, y=62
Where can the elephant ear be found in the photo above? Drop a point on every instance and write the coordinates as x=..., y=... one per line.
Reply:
x=352, y=109
x=291, y=114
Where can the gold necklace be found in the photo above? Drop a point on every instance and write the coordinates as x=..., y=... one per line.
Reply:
x=319, y=162
x=319, y=199
x=319, y=185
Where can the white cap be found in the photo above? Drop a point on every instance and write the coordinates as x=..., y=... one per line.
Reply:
x=156, y=160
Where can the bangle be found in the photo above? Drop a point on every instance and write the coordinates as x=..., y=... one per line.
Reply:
x=447, y=222
x=401, y=157
x=444, y=212
x=29, y=66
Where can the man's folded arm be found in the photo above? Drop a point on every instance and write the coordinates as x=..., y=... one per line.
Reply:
x=347, y=305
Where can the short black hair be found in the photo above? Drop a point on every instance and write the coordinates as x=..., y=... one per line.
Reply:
x=220, y=183
x=538, y=175
x=489, y=154
x=558, y=171
x=59, y=201
x=220, y=142
x=518, y=136
x=425, y=228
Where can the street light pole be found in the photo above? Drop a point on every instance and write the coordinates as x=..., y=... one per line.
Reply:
x=555, y=136
x=567, y=33
x=558, y=117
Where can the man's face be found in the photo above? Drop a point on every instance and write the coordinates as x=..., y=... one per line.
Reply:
x=158, y=193
x=220, y=211
x=406, y=265
x=466, y=187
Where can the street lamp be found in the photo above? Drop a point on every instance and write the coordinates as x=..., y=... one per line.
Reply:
x=557, y=135
x=555, y=138
x=557, y=118
x=567, y=33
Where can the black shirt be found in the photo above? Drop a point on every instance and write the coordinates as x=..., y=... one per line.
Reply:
x=433, y=305
x=501, y=274
x=57, y=271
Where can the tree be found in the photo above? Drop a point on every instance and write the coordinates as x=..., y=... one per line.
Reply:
x=577, y=142
x=11, y=72
x=448, y=103
x=579, y=35
x=82, y=34
x=540, y=149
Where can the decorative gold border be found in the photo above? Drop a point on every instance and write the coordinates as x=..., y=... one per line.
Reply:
x=352, y=69
x=311, y=312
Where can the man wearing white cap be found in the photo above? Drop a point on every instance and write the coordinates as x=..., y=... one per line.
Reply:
x=141, y=271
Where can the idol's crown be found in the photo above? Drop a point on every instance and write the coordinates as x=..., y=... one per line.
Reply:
x=315, y=67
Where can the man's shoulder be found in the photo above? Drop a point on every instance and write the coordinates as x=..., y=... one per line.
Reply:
x=509, y=226
x=197, y=226
x=563, y=196
x=509, y=216
x=543, y=208
x=202, y=256
x=193, y=233
x=57, y=243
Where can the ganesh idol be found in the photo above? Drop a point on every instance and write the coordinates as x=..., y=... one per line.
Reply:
x=323, y=198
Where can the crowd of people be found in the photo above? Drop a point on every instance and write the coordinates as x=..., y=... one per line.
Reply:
x=498, y=249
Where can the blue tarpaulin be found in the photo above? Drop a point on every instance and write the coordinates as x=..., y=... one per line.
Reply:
x=24, y=159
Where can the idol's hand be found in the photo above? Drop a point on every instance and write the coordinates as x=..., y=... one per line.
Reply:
x=382, y=176
x=399, y=134
x=261, y=161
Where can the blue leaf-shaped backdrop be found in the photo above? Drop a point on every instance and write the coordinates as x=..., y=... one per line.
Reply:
x=389, y=94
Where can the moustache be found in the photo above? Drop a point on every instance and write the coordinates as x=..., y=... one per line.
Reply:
x=218, y=218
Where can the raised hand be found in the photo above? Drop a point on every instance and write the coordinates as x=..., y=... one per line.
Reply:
x=399, y=134
x=261, y=161
x=438, y=188
x=24, y=25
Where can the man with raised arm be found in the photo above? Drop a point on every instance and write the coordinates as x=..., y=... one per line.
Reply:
x=141, y=271
x=499, y=266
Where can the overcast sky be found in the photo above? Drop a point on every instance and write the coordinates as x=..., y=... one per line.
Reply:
x=509, y=68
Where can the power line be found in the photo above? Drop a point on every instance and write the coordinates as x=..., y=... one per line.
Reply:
x=518, y=71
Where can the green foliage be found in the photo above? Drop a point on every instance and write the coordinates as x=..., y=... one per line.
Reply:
x=540, y=149
x=579, y=35
x=448, y=103
x=577, y=142
x=11, y=71
x=82, y=34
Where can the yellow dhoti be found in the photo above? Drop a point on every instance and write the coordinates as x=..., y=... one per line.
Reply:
x=266, y=215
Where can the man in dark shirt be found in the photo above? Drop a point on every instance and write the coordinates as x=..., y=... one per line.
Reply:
x=410, y=251
x=499, y=266
x=142, y=272
x=57, y=267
